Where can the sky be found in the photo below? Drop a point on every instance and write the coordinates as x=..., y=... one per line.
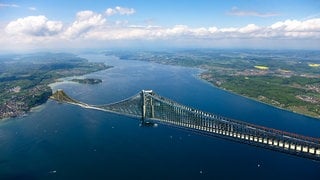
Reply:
x=86, y=24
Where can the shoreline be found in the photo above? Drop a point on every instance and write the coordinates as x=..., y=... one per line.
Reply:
x=229, y=91
x=202, y=70
x=52, y=86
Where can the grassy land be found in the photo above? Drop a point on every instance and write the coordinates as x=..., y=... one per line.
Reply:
x=277, y=91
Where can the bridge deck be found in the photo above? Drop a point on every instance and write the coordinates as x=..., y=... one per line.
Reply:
x=152, y=107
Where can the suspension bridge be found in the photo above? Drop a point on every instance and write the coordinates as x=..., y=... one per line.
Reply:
x=153, y=108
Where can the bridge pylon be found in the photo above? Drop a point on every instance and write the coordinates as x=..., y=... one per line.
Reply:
x=147, y=108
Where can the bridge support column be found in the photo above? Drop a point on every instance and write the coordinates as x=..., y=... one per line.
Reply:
x=143, y=108
x=152, y=108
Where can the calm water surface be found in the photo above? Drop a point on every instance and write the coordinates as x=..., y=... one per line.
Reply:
x=63, y=141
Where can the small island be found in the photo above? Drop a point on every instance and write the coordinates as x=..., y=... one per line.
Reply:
x=87, y=81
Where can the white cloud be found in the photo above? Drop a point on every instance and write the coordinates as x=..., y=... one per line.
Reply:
x=90, y=28
x=297, y=29
x=228, y=30
x=32, y=8
x=213, y=29
x=235, y=11
x=297, y=26
x=178, y=30
x=110, y=12
x=9, y=5
x=119, y=10
x=85, y=22
x=250, y=28
x=125, y=11
x=34, y=26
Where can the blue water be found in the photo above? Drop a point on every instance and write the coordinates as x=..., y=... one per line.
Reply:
x=63, y=141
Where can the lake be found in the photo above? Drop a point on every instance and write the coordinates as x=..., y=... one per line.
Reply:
x=62, y=141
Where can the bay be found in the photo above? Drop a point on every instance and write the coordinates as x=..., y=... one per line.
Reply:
x=63, y=141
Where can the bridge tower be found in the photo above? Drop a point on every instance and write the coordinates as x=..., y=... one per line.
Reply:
x=147, y=104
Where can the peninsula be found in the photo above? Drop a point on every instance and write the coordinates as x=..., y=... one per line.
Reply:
x=24, y=79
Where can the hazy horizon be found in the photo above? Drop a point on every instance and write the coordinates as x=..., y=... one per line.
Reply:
x=231, y=24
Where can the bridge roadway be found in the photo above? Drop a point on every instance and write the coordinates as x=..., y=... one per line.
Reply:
x=151, y=107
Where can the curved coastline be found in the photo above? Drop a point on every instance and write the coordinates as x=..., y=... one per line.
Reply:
x=231, y=92
x=50, y=85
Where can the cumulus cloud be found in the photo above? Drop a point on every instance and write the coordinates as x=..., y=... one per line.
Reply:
x=250, y=28
x=85, y=21
x=235, y=11
x=178, y=30
x=297, y=29
x=34, y=26
x=119, y=10
x=297, y=26
x=93, y=27
x=89, y=25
